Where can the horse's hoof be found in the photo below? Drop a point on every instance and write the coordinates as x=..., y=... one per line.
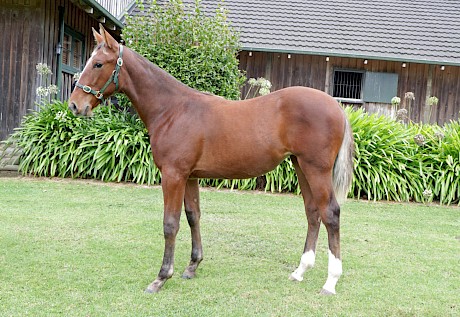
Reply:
x=295, y=277
x=325, y=292
x=188, y=275
x=154, y=287
x=152, y=290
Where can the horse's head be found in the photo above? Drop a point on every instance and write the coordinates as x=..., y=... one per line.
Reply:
x=99, y=78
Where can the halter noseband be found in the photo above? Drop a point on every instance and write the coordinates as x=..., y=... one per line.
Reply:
x=99, y=94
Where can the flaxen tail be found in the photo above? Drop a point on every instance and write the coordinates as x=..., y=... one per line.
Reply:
x=343, y=167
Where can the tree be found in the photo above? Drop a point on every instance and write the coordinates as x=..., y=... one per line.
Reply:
x=197, y=49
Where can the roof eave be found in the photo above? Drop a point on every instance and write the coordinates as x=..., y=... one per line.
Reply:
x=113, y=20
x=351, y=55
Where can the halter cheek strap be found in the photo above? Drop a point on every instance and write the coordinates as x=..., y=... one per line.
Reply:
x=99, y=94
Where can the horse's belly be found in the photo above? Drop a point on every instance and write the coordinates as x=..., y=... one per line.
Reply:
x=237, y=168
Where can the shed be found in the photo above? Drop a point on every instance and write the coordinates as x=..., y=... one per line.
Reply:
x=362, y=52
x=55, y=32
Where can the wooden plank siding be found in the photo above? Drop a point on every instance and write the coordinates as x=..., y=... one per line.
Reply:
x=314, y=71
x=18, y=56
x=31, y=36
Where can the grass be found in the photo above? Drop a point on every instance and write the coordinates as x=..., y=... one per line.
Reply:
x=78, y=248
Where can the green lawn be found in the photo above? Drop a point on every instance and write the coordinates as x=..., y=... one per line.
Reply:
x=76, y=248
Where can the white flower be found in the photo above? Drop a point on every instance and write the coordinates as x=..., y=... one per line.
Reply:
x=61, y=116
x=427, y=193
x=76, y=76
x=42, y=91
x=43, y=69
x=267, y=84
x=53, y=89
x=252, y=81
x=395, y=101
x=439, y=135
x=409, y=96
x=402, y=112
x=263, y=83
x=433, y=101
x=419, y=139
x=264, y=91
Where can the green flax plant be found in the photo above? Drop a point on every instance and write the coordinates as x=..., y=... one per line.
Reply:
x=393, y=161
x=447, y=173
x=111, y=146
x=405, y=162
x=438, y=154
x=385, y=165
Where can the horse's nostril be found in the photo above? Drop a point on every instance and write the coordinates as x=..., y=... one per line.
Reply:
x=87, y=109
x=73, y=107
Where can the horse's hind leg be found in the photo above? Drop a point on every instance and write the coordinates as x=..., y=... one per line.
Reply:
x=192, y=210
x=322, y=206
x=307, y=261
x=331, y=219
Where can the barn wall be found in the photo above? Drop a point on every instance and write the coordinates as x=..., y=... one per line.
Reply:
x=314, y=71
x=31, y=36
x=75, y=18
x=19, y=45
x=282, y=71
x=446, y=86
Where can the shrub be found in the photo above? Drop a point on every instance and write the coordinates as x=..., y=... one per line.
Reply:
x=438, y=153
x=198, y=50
x=385, y=165
x=401, y=162
x=111, y=146
x=447, y=167
x=393, y=161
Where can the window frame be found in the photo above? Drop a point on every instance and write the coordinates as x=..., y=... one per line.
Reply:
x=349, y=100
x=376, y=87
x=75, y=36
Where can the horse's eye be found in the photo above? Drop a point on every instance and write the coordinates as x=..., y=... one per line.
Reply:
x=97, y=65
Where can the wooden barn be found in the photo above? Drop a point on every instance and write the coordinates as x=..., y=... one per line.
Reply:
x=54, y=32
x=362, y=52
x=359, y=51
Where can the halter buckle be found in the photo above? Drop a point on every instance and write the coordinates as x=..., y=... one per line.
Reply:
x=119, y=62
x=99, y=95
x=87, y=89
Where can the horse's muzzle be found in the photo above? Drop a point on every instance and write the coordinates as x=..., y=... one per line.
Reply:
x=85, y=111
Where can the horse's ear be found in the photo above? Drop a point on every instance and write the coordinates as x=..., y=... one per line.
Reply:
x=108, y=39
x=99, y=39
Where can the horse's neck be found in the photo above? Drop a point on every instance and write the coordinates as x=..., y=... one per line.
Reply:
x=151, y=90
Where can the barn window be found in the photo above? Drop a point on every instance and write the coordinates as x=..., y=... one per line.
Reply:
x=354, y=86
x=72, y=51
x=348, y=86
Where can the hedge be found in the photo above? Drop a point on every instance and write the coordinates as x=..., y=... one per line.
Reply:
x=393, y=161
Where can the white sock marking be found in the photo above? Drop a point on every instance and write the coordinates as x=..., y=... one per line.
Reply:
x=307, y=261
x=334, y=273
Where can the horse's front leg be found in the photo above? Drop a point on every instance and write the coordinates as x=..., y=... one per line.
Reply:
x=192, y=210
x=173, y=186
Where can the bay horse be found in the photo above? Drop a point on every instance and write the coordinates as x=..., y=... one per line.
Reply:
x=197, y=135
